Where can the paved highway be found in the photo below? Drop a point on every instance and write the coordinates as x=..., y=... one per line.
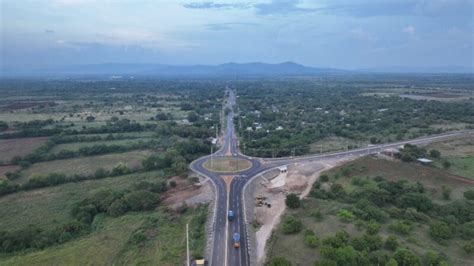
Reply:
x=229, y=196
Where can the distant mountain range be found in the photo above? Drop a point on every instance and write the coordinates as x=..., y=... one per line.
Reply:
x=228, y=70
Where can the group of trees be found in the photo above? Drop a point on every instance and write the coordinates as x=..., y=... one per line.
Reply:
x=309, y=112
x=139, y=197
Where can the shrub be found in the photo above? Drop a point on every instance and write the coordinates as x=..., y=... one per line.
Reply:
x=391, y=243
x=141, y=200
x=446, y=192
x=469, y=194
x=401, y=227
x=373, y=228
x=172, y=183
x=324, y=178
x=291, y=225
x=345, y=215
x=469, y=248
x=415, y=200
x=440, y=230
x=435, y=154
x=117, y=208
x=293, y=201
x=404, y=257
x=310, y=239
x=467, y=231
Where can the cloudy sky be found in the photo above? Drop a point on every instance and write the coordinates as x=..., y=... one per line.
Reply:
x=328, y=33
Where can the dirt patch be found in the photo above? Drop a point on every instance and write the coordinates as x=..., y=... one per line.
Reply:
x=10, y=148
x=187, y=193
x=8, y=168
x=298, y=179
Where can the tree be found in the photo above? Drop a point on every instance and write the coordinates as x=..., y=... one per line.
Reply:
x=446, y=164
x=90, y=119
x=193, y=117
x=440, y=230
x=391, y=243
x=141, y=200
x=469, y=194
x=373, y=228
x=279, y=261
x=291, y=225
x=435, y=154
x=3, y=126
x=446, y=192
x=469, y=248
x=292, y=201
x=324, y=178
x=404, y=257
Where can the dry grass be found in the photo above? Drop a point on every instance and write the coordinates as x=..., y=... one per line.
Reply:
x=10, y=148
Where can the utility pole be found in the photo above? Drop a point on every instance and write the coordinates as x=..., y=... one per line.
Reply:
x=212, y=161
x=187, y=245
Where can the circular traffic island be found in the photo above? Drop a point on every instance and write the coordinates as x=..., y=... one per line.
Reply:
x=227, y=164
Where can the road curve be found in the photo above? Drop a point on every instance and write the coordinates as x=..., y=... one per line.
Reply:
x=229, y=196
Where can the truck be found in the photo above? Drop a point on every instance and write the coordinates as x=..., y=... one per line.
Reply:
x=230, y=215
x=236, y=240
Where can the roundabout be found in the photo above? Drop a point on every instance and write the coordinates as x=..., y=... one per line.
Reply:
x=227, y=164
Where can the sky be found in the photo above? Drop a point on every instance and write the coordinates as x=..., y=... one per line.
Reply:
x=349, y=34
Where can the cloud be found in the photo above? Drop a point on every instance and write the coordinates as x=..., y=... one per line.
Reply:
x=48, y=31
x=213, y=5
x=410, y=29
x=363, y=34
x=282, y=7
x=227, y=26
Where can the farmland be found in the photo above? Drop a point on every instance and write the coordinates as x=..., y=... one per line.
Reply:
x=61, y=148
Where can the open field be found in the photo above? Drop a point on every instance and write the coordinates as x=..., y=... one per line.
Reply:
x=8, y=168
x=10, y=148
x=112, y=242
x=86, y=165
x=227, y=164
x=49, y=207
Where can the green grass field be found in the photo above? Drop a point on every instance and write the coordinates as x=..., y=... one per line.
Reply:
x=86, y=165
x=48, y=207
x=112, y=243
x=227, y=164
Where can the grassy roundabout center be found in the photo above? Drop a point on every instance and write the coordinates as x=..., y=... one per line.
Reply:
x=227, y=164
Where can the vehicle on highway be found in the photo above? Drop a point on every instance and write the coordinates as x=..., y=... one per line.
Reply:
x=230, y=215
x=236, y=240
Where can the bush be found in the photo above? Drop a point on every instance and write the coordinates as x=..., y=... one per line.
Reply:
x=469, y=194
x=446, y=191
x=117, y=208
x=373, y=228
x=324, y=178
x=172, y=183
x=291, y=225
x=404, y=257
x=440, y=231
x=469, y=248
x=310, y=239
x=435, y=154
x=141, y=200
x=415, y=200
x=391, y=243
x=401, y=227
x=293, y=201
x=345, y=215
x=467, y=231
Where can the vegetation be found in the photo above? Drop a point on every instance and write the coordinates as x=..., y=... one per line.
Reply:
x=86, y=136
x=368, y=215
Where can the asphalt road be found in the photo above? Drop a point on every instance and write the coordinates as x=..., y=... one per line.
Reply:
x=223, y=252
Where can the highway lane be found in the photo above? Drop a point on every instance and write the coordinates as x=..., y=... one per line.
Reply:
x=230, y=198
